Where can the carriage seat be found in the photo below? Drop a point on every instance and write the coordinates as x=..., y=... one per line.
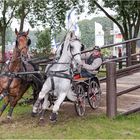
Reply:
x=78, y=75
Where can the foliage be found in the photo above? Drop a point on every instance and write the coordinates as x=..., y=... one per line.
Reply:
x=87, y=28
x=7, y=12
x=60, y=35
x=106, y=52
x=43, y=44
x=48, y=12
x=127, y=15
x=10, y=35
x=87, y=33
x=22, y=11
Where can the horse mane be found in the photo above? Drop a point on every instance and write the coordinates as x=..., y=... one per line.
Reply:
x=15, y=53
x=67, y=39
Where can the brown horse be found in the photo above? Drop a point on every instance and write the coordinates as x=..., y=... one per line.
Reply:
x=12, y=87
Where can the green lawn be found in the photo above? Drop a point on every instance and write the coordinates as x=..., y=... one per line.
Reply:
x=70, y=127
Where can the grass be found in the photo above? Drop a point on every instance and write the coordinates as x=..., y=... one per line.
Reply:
x=93, y=125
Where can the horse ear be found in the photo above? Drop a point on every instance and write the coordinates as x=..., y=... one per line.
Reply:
x=16, y=32
x=73, y=36
x=27, y=32
x=82, y=47
x=70, y=34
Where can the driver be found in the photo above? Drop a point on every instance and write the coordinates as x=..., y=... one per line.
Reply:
x=91, y=66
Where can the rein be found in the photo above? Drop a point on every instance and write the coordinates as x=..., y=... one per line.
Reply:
x=75, y=55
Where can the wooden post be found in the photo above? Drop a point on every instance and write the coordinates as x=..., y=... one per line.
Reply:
x=111, y=96
x=120, y=55
x=128, y=53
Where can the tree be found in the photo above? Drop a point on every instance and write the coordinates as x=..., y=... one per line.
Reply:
x=24, y=8
x=7, y=13
x=127, y=16
x=87, y=28
x=44, y=12
x=43, y=44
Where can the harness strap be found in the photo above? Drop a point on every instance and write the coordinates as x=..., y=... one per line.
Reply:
x=59, y=74
x=60, y=71
x=9, y=83
x=49, y=68
x=52, y=81
x=75, y=55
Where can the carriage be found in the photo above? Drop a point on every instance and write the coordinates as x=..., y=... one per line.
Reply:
x=87, y=90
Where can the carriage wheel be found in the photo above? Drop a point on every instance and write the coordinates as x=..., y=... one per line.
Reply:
x=80, y=105
x=94, y=95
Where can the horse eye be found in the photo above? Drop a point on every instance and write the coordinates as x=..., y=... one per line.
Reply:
x=71, y=47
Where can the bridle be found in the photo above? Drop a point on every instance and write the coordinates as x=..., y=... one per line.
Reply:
x=69, y=46
x=26, y=46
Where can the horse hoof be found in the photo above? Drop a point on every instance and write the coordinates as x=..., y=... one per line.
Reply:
x=41, y=122
x=33, y=114
x=53, y=117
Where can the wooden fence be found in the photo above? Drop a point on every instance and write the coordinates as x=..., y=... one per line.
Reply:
x=111, y=90
x=113, y=72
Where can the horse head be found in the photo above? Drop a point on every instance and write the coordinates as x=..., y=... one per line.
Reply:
x=22, y=43
x=74, y=48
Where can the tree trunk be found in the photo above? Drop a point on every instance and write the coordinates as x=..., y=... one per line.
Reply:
x=3, y=44
x=22, y=17
x=133, y=51
x=128, y=53
x=21, y=24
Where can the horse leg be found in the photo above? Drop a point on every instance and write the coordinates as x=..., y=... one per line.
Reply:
x=35, y=92
x=44, y=107
x=61, y=97
x=71, y=96
x=45, y=89
x=6, y=102
x=13, y=102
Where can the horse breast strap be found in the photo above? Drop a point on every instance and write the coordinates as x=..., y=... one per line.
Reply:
x=59, y=74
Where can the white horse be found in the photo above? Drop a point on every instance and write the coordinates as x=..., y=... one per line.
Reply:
x=58, y=78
